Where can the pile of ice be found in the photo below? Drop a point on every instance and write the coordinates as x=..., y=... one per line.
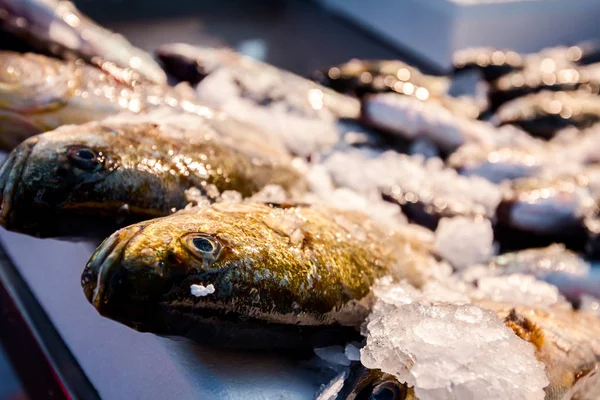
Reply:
x=413, y=119
x=302, y=118
x=514, y=154
x=446, y=348
x=365, y=171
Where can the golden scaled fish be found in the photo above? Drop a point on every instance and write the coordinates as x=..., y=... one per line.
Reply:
x=249, y=275
x=39, y=93
x=58, y=182
x=58, y=27
x=567, y=342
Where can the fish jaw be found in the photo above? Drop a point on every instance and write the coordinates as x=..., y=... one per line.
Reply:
x=104, y=266
x=10, y=177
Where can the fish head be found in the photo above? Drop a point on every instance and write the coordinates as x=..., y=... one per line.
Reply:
x=46, y=172
x=372, y=384
x=30, y=84
x=193, y=63
x=211, y=262
x=53, y=179
x=34, y=83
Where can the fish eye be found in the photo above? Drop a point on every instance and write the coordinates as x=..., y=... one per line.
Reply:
x=85, y=158
x=202, y=246
x=389, y=391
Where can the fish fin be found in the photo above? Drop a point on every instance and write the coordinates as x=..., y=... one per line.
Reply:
x=525, y=329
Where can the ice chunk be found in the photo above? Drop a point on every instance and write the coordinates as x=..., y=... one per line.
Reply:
x=201, y=290
x=331, y=390
x=520, y=289
x=352, y=352
x=465, y=241
x=450, y=351
x=390, y=294
x=287, y=222
x=196, y=197
x=230, y=196
x=333, y=355
x=270, y=194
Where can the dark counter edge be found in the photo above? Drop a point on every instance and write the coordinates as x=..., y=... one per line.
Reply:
x=38, y=353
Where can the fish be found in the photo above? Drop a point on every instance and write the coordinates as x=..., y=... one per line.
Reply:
x=567, y=270
x=545, y=113
x=566, y=342
x=586, y=388
x=543, y=262
x=413, y=119
x=223, y=273
x=191, y=64
x=497, y=163
x=427, y=210
x=545, y=75
x=304, y=114
x=359, y=77
x=77, y=178
x=278, y=85
x=493, y=63
x=541, y=210
x=39, y=93
x=362, y=383
x=464, y=94
x=59, y=28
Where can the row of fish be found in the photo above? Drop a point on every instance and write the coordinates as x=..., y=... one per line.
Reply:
x=248, y=265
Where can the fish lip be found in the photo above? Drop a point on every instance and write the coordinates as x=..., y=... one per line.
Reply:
x=102, y=265
x=10, y=179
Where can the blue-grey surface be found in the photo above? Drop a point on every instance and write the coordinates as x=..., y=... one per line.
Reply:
x=124, y=364
x=10, y=386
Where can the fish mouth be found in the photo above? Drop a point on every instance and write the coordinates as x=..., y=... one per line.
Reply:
x=10, y=179
x=103, y=266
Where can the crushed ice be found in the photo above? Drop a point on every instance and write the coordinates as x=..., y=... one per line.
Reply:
x=201, y=290
x=520, y=289
x=333, y=355
x=464, y=241
x=448, y=350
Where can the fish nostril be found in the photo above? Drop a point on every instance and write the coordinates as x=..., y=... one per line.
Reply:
x=60, y=175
